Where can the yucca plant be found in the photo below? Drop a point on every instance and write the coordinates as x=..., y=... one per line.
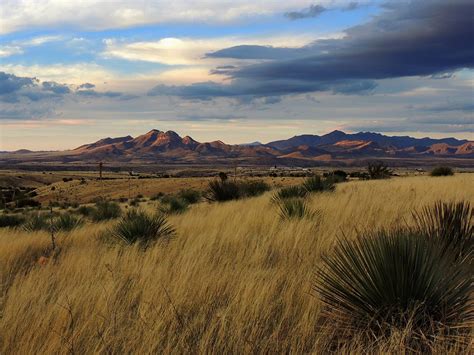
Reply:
x=289, y=192
x=222, y=190
x=67, y=222
x=139, y=227
x=451, y=224
x=317, y=184
x=395, y=279
x=293, y=208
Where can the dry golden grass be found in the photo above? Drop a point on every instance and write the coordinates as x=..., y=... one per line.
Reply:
x=236, y=279
x=74, y=191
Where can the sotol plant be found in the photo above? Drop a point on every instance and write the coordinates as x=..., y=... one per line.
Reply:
x=139, y=227
x=293, y=208
x=395, y=279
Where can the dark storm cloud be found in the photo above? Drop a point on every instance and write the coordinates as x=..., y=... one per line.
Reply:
x=312, y=11
x=433, y=38
x=417, y=40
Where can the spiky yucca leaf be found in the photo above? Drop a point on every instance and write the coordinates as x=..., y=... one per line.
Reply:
x=67, y=222
x=138, y=226
x=222, y=190
x=451, y=224
x=393, y=278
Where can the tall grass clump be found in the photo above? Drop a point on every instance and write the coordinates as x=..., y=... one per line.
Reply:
x=394, y=280
x=139, y=227
x=442, y=171
x=11, y=220
x=105, y=210
x=36, y=222
x=449, y=224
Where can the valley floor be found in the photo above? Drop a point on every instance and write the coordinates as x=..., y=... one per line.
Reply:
x=235, y=278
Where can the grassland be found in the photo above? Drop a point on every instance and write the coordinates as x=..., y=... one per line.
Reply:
x=235, y=278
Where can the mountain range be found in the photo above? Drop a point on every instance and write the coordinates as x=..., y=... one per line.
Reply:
x=169, y=147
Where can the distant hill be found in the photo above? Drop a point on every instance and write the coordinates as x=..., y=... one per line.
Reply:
x=169, y=147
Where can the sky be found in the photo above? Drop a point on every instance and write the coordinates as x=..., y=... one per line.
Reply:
x=73, y=72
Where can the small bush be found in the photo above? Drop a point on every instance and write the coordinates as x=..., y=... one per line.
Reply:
x=139, y=227
x=67, y=222
x=378, y=170
x=450, y=224
x=291, y=208
x=173, y=205
x=442, y=171
x=394, y=279
x=36, y=222
x=105, y=210
x=253, y=188
x=290, y=192
x=317, y=184
x=11, y=220
x=222, y=190
x=190, y=196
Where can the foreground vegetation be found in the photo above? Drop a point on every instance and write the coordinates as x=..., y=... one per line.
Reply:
x=237, y=277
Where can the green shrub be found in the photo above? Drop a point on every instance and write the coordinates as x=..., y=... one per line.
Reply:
x=173, y=205
x=290, y=208
x=139, y=227
x=317, y=184
x=190, y=196
x=442, y=171
x=253, y=188
x=450, y=224
x=36, y=222
x=222, y=190
x=394, y=279
x=378, y=170
x=105, y=210
x=67, y=222
x=11, y=220
x=290, y=192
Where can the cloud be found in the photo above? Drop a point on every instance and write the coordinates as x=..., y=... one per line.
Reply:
x=422, y=39
x=191, y=51
x=100, y=15
x=312, y=11
x=17, y=47
x=22, y=90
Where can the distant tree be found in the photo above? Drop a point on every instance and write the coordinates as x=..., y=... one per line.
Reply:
x=442, y=171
